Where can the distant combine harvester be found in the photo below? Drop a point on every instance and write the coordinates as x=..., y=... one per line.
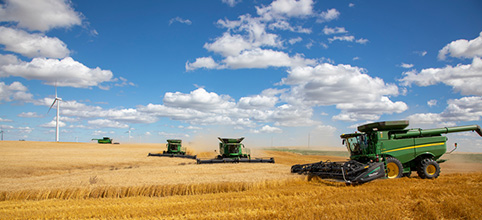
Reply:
x=105, y=140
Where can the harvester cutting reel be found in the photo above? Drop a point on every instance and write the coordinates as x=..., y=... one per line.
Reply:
x=351, y=172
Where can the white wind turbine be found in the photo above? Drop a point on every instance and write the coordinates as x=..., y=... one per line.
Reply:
x=57, y=99
x=129, y=132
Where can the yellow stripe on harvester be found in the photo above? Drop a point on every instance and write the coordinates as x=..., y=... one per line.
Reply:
x=417, y=146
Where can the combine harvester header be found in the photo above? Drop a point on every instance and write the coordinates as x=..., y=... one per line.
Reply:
x=231, y=151
x=387, y=149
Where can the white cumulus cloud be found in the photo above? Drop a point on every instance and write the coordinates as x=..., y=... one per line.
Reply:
x=264, y=58
x=64, y=72
x=16, y=91
x=229, y=45
x=257, y=102
x=463, y=109
x=32, y=45
x=369, y=110
x=268, y=129
x=40, y=15
x=53, y=124
x=286, y=8
x=348, y=38
x=462, y=48
x=336, y=30
x=295, y=40
x=203, y=62
x=406, y=65
x=29, y=115
x=328, y=15
x=198, y=99
x=106, y=123
x=465, y=79
x=358, y=95
x=432, y=102
x=204, y=108
x=180, y=20
x=5, y=120
x=231, y=3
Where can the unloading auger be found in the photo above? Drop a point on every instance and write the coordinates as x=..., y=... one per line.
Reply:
x=387, y=149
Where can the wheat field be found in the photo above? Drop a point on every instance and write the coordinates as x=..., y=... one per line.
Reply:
x=85, y=180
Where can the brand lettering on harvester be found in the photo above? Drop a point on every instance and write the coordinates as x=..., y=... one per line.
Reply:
x=413, y=147
x=374, y=172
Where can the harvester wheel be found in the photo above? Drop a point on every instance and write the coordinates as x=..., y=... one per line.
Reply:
x=394, y=168
x=428, y=169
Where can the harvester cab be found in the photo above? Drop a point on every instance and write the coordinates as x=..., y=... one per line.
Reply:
x=174, y=146
x=174, y=149
x=231, y=150
x=390, y=148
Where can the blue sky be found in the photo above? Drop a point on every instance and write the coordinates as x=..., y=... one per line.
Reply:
x=282, y=73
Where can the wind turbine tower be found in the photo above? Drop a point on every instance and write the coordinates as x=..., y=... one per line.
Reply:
x=57, y=99
x=129, y=133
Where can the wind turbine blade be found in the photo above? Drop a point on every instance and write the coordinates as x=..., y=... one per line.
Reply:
x=53, y=103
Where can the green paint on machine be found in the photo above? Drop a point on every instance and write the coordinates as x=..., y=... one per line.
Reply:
x=400, y=150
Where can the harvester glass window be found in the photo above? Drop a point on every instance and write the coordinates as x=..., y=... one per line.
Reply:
x=233, y=149
x=173, y=147
x=357, y=144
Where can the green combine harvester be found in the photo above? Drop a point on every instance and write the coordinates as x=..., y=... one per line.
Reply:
x=105, y=140
x=174, y=149
x=231, y=151
x=387, y=149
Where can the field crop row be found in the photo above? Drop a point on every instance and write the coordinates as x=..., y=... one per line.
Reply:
x=452, y=196
x=148, y=191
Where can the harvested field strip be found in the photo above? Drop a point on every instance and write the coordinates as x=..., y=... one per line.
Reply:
x=343, y=153
x=148, y=191
x=453, y=196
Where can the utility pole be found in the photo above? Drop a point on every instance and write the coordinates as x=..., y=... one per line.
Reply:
x=309, y=134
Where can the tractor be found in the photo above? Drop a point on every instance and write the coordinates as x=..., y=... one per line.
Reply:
x=231, y=151
x=105, y=140
x=174, y=149
x=387, y=150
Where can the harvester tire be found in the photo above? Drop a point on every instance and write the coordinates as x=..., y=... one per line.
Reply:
x=394, y=168
x=428, y=169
